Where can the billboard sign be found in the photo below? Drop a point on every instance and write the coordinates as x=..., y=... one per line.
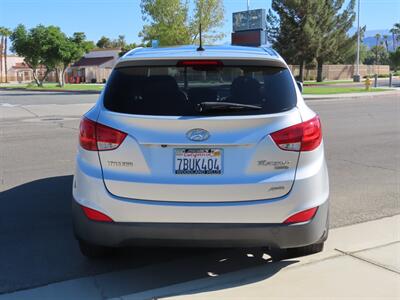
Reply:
x=249, y=20
x=253, y=38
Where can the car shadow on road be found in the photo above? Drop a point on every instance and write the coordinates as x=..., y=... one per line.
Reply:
x=38, y=248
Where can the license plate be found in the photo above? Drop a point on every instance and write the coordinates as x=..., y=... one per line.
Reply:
x=198, y=161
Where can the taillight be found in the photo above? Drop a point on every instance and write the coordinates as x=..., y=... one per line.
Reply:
x=302, y=216
x=94, y=136
x=95, y=215
x=199, y=62
x=305, y=136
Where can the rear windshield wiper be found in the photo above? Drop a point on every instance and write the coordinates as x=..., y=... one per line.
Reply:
x=225, y=106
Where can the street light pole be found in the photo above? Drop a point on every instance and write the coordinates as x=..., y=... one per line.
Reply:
x=248, y=15
x=357, y=76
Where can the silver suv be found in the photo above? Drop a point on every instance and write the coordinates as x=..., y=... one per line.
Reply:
x=201, y=148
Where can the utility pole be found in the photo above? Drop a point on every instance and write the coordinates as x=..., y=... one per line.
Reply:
x=357, y=76
x=248, y=14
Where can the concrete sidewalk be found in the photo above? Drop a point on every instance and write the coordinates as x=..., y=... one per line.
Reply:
x=359, y=261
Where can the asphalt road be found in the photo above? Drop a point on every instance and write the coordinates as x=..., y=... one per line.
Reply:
x=32, y=97
x=362, y=139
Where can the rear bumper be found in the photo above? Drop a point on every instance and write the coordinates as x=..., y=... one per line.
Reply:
x=119, y=234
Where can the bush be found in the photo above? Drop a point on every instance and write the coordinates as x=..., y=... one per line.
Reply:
x=93, y=80
x=104, y=80
x=383, y=75
x=395, y=59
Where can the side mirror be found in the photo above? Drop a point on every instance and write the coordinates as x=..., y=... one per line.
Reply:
x=300, y=86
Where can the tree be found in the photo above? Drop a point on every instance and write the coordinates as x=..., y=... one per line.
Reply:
x=395, y=31
x=348, y=50
x=31, y=46
x=377, y=39
x=1, y=56
x=291, y=30
x=211, y=15
x=70, y=50
x=333, y=22
x=168, y=21
x=119, y=42
x=5, y=33
x=104, y=42
x=48, y=47
x=312, y=30
x=80, y=39
x=377, y=49
x=377, y=55
x=385, y=40
x=395, y=59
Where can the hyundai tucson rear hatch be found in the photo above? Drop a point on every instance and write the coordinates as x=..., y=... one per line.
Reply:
x=198, y=131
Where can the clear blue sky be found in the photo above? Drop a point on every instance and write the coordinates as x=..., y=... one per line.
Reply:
x=114, y=17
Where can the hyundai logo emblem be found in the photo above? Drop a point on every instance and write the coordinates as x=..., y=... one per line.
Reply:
x=198, y=135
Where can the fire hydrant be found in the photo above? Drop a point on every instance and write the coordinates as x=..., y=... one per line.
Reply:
x=367, y=83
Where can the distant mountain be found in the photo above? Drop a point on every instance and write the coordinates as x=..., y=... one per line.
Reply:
x=370, y=40
x=369, y=37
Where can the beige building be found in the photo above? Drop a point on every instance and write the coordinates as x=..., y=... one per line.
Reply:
x=19, y=72
x=94, y=67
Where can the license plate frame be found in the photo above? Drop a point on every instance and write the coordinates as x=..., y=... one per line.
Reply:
x=215, y=154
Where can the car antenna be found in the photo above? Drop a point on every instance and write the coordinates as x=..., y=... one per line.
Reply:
x=200, y=48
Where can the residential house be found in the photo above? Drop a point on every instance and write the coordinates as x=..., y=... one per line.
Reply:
x=94, y=67
x=19, y=72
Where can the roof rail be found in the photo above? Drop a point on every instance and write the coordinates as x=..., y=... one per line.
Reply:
x=269, y=50
x=132, y=51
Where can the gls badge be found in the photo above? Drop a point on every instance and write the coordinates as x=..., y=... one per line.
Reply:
x=197, y=134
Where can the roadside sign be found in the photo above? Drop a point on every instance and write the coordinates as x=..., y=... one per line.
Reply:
x=249, y=20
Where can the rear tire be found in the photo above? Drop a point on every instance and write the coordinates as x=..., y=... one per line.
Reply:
x=94, y=251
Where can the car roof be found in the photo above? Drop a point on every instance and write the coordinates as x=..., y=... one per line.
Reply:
x=215, y=52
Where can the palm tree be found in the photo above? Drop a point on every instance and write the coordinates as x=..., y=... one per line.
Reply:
x=378, y=37
x=5, y=33
x=385, y=40
x=395, y=31
x=1, y=53
x=1, y=60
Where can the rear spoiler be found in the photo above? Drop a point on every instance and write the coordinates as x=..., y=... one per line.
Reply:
x=136, y=61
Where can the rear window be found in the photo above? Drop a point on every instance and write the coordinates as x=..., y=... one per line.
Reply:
x=200, y=90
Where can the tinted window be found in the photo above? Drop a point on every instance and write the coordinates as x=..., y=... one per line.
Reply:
x=178, y=91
